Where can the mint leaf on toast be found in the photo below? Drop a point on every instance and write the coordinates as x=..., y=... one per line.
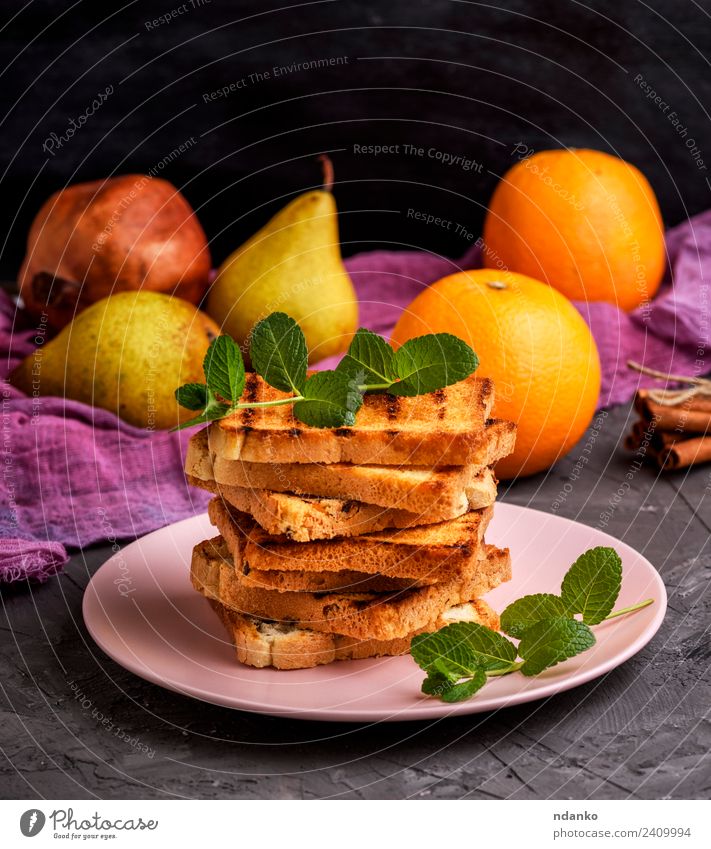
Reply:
x=328, y=399
x=369, y=359
x=224, y=369
x=528, y=610
x=552, y=641
x=592, y=584
x=278, y=352
x=431, y=362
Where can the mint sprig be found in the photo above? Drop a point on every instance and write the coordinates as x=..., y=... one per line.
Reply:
x=330, y=398
x=460, y=657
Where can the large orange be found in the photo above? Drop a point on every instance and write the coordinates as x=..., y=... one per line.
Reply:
x=586, y=222
x=535, y=346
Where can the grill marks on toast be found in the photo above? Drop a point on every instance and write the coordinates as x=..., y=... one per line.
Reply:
x=250, y=395
x=411, y=467
x=441, y=428
x=440, y=397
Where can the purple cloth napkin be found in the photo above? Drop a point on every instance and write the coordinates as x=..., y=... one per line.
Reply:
x=74, y=475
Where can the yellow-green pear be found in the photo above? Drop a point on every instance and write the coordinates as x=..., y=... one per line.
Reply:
x=292, y=265
x=126, y=353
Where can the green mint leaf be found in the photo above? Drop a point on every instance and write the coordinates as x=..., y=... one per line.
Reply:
x=445, y=654
x=369, y=359
x=278, y=352
x=465, y=689
x=330, y=399
x=192, y=396
x=488, y=649
x=224, y=369
x=592, y=584
x=431, y=362
x=436, y=685
x=526, y=611
x=551, y=641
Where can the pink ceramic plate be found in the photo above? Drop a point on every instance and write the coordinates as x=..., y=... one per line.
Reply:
x=142, y=611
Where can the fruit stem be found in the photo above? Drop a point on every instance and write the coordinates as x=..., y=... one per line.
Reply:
x=629, y=609
x=327, y=172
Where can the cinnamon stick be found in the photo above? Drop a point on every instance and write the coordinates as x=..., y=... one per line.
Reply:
x=691, y=416
x=681, y=453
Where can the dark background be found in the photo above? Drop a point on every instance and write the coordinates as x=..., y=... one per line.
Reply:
x=467, y=78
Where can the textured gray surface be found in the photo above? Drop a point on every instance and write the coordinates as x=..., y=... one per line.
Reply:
x=642, y=731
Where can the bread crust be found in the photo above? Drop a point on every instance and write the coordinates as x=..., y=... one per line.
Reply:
x=303, y=518
x=434, y=493
x=381, y=616
x=440, y=550
x=262, y=644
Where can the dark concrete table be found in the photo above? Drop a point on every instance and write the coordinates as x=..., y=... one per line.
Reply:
x=642, y=731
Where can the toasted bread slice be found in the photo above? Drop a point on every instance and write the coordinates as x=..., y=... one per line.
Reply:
x=261, y=643
x=381, y=616
x=438, y=551
x=434, y=494
x=303, y=517
x=442, y=428
x=345, y=581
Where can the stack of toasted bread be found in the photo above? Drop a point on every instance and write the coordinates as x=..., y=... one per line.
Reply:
x=344, y=543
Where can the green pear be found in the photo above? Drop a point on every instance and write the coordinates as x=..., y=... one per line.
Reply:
x=292, y=265
x=126, y=353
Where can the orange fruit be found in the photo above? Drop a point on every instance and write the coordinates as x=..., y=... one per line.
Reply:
x=583, y=221
x=534, y=345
